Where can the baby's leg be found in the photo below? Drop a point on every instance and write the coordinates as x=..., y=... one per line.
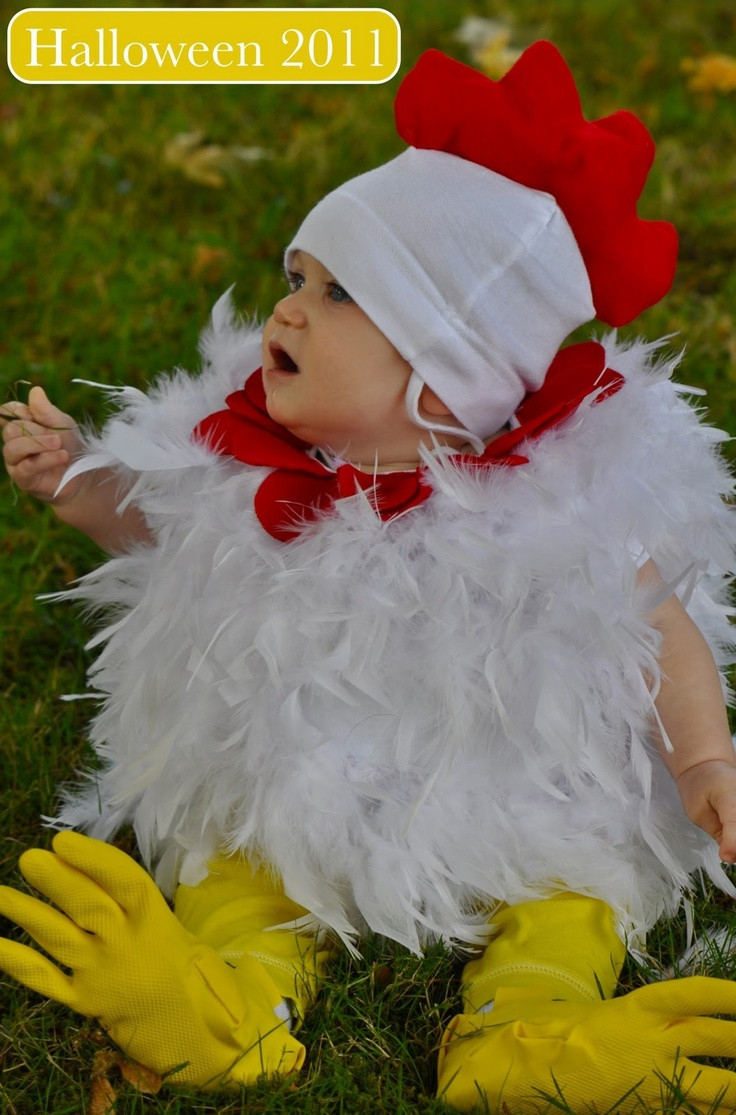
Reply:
x=539, y=1024
x=234, y=909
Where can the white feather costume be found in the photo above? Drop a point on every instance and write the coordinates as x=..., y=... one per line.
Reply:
x=407, y=720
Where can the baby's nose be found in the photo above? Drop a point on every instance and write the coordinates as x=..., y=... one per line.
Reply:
x=288, y=311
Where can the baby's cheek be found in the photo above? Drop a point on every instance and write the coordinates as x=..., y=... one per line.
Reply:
x=268, y=329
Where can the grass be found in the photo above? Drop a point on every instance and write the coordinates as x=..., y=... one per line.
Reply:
x=110, y=257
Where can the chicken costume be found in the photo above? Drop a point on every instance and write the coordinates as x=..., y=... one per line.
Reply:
x=414, y=702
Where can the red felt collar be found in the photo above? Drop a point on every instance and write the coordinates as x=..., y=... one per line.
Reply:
x=301, y=487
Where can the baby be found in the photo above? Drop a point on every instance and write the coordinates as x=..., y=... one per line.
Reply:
x=416, y=631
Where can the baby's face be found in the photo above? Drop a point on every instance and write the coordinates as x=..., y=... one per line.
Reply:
x=330, y=375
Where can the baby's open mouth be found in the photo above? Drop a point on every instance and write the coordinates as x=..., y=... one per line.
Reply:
x=282, y=362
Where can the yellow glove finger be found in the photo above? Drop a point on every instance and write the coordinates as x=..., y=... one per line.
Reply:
x=703, y=995
x=118, y=875
x=35, y=971
x=53, y=931
x=82, y=899
x=704, y=1037
x=705, y=1087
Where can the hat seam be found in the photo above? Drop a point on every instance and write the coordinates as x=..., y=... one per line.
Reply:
x=500, y=271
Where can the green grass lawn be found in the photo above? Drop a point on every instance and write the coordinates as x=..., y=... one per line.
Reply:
x=113, y=246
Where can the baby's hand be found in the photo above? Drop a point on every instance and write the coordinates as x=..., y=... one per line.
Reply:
x=40, y=443
x=708, y=792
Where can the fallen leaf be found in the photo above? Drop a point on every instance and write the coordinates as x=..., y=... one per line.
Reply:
x=497, y=58
x=713, y=73
x=382, y=975
x=143, y=1079
x=209, y=263
x=488, y=42
x=103, y=1095
x=209, y=164
x=475, y=31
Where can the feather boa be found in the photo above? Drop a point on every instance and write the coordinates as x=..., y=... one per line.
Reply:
x=408, y=721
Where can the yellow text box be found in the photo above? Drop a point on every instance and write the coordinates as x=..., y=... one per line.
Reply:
x=263, y=46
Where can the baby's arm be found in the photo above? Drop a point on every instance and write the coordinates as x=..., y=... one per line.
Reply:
x=692, y=710
x=40, y=441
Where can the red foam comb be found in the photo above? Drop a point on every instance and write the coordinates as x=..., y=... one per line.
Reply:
x=529, y=127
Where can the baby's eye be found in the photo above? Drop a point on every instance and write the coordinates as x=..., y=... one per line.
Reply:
x=338, y=293
x=295, y=280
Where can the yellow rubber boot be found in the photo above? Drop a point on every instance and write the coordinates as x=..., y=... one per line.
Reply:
x=240, y=912
x=568, y=943
x=165, y=996
x=551, y=1035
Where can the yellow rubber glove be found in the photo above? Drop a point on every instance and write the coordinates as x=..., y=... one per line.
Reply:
x=594, y=1053
x=169, y=1000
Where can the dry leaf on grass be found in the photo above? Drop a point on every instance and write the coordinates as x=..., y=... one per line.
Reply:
x=488, y=42
x=209, y=164
x=713, y=73
x=103, y=1094
x=209, y=263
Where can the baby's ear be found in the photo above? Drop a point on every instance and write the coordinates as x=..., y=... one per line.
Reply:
x=430, y=403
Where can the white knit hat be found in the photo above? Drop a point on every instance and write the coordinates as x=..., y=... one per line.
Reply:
x=474, y=279
x=509, y=221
